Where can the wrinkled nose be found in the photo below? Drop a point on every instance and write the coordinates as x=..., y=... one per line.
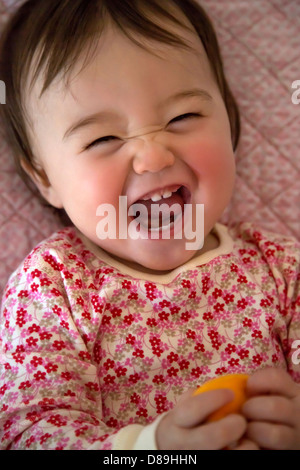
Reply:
x=150, y=155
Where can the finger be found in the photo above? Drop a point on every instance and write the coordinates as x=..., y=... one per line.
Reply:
x=272, y=381
x=276, y=409
x=219, y=434
x=211, y=436
x=245, y=444
x=193, y=410
x=271, y=436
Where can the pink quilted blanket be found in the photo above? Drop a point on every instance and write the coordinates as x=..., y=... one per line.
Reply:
x=260, y=41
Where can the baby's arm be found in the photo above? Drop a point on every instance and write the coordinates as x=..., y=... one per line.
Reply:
x=273, y=410
x=50, y=395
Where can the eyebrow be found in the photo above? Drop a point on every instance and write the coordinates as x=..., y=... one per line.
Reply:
x=105, y=116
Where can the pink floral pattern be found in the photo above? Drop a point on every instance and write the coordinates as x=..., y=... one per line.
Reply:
x=88, y=350
x=260, y=46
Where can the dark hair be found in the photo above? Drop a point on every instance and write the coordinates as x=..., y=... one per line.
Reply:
x=56, y=32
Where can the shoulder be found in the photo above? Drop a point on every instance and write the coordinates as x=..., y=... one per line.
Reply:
x=61, y=245
x=58, y=256
x=272, y=245
x=279, y=254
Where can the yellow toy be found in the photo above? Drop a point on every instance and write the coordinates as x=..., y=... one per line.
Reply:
x=236, y=383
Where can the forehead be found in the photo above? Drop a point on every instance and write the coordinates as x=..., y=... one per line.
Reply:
x=177, y=24
x=118, y=61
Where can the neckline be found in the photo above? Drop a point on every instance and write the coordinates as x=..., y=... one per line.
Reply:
x=225, y=247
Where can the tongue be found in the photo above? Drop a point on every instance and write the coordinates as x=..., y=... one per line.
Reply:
x=161, y=212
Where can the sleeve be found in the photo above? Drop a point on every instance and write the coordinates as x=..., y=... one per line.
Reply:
x=283, y=257
x=50, y=396
x=291, y=311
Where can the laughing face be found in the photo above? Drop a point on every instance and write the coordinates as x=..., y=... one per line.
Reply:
x=151, y=127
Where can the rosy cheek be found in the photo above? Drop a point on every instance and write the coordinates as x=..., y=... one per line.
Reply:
x=211, y=158
x=100, y=183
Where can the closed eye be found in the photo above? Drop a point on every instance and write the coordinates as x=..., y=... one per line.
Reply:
x=101, y=140
x=185, y=116
x=111, y=138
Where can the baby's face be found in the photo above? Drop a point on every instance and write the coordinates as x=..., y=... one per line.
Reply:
x=164, y=126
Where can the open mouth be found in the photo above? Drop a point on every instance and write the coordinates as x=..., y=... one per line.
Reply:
x=159, y=210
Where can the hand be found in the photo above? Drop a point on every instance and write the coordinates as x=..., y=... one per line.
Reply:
x=273, y=410
x=184, y=427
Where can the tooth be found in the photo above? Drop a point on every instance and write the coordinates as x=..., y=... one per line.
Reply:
x=156, y=197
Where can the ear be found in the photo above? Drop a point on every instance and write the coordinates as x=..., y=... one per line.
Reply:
x=41, y=181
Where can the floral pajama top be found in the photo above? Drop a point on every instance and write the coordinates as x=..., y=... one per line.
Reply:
x=93, y=352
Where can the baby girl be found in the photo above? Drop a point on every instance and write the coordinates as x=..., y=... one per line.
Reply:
x=104, y=339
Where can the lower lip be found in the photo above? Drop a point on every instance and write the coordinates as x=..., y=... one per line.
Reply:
x=163, y=233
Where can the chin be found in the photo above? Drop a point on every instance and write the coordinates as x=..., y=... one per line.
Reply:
x=161, y=265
